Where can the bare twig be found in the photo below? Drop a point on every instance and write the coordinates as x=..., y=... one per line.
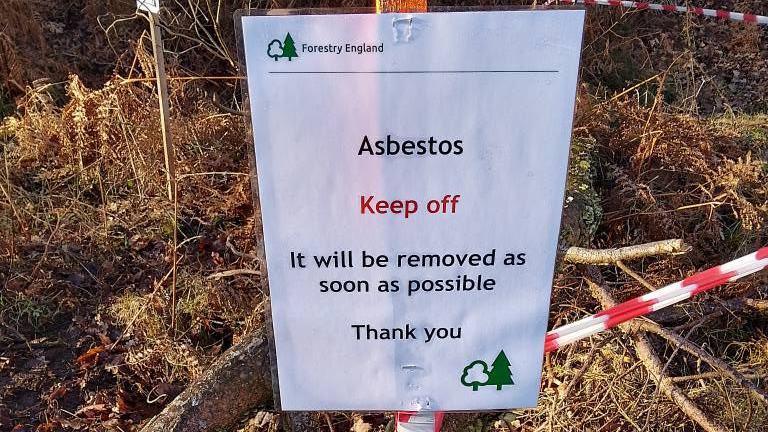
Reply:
x=228, y=110
x=183, y=78
x=714, y=374
x=238, y=253
x=579, y=255
x=593, y=352
x=147, y=302
x=212, y=173
x=235, y=272
x=33, y=274
x=655, y=367
x=38, y=343
x=13, y=207
x=629, y=90
x=15, y=334
x=635, y=276
x=722, y=308
x=174, y=194
x=688, y=346
x=328, y=422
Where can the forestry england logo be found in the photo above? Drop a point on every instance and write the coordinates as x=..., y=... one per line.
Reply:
x=477, y=375
x=284, y=49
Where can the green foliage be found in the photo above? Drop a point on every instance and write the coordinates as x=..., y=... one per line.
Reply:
x=7, y=107
x=22, y=312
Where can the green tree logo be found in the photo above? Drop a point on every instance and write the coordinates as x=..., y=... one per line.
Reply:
x=275, y=49
x=284, y=49
x=289, y=49
x=500, y=374
x=476, y=374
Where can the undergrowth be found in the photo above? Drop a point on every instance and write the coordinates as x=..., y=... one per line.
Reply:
x=122, y=291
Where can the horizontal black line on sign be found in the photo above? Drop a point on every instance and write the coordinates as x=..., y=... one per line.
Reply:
x=416, y=72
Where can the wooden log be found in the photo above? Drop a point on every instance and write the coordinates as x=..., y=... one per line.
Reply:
x=579, y=255
x=239, y=380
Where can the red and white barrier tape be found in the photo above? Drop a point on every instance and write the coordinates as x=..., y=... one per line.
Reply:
x=714, y=13
x=659, y=299
x=611, y=317
x=418, y=422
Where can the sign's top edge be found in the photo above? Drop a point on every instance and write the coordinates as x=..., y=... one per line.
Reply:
x=242, y=13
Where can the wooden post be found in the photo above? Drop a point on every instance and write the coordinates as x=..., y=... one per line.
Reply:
x=385, y=6
x=388, y=6
x=165, y=115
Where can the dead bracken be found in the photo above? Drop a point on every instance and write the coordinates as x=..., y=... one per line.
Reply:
x=98, y=332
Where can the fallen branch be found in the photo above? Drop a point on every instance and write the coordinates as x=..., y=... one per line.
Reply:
x=579, y=255
x=655, y=367
x=238, y=380
x=758, y=304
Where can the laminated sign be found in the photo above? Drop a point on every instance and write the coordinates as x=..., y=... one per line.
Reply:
x=411, y=172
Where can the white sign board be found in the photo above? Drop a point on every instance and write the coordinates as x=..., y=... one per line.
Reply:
x=411, y=175
x=148, y=5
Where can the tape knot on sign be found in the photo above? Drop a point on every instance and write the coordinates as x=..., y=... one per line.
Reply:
x=418, y=422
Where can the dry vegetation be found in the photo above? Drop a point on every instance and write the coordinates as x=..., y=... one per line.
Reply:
x=112, y=298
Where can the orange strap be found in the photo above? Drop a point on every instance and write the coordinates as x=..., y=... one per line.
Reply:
x=384, y=6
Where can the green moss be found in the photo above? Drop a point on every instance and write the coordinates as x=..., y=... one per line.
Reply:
x=582, y=211
x=757, y=135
